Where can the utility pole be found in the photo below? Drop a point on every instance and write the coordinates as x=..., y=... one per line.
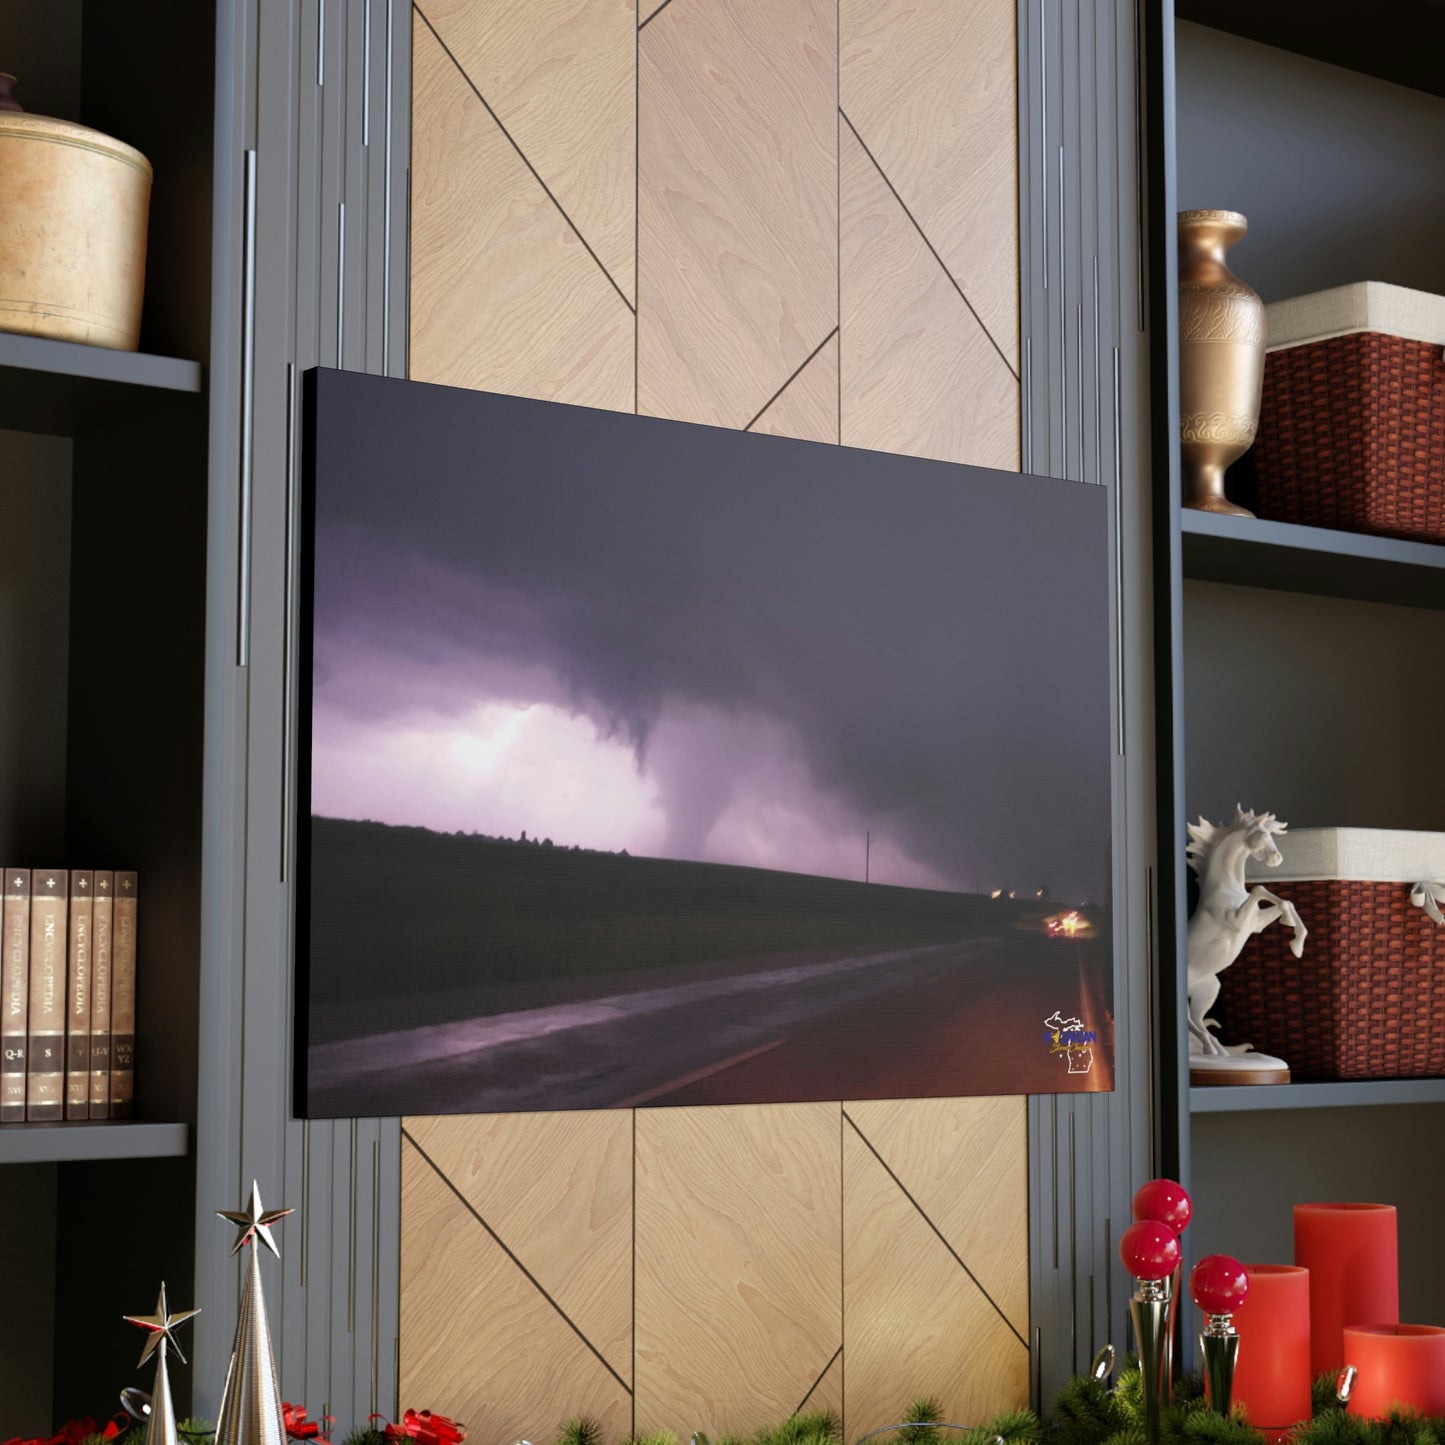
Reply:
x=867, y=856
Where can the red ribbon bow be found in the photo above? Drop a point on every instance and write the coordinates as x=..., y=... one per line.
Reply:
x=423, y=1427
x=70, y=1433
x=298, y=1427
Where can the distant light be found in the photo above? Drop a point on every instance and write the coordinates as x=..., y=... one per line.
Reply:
x=1010, y=893
x=997, y=893
x=1039, y=894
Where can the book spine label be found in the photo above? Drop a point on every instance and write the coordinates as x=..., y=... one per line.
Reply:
x=100, y=951
x=14, y=994
x=78, y=995
x=122, y=995
x=45, y=1061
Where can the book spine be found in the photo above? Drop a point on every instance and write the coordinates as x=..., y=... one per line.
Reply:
x=122, y=995
x=45, y=1050
x=14, y=994
x=100, y=953
x=78, y=996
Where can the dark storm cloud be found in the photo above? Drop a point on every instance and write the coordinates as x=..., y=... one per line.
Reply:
x=935, y=636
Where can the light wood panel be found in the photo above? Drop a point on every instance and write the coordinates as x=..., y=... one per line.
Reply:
x=557, y=1189
x=561, y=77
x=737, y=202
x=914, y=1321
x=919, y=374
x=738, y=1237
x=932, y=87
x=495, y=1354
x=827, y=1394
x=807, y=406
x=504, y=295
x=965, y=1161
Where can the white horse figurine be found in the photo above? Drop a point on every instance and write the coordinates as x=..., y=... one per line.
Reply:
x=1228, y=912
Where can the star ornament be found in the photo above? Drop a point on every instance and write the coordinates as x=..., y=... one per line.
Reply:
x=254, y=1221
x=158, y=1327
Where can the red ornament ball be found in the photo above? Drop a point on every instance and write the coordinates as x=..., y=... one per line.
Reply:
x=1219, y=1284
x=1149, y=1250
x=1166, y=1201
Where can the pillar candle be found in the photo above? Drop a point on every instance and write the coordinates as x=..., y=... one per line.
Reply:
x=1351, y=1253
x=1272, y=1378
x=1398, y=1365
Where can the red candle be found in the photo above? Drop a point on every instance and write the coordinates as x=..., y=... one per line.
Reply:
x=1398, y=1365
x=1351, y=1253
x=1272, y=1378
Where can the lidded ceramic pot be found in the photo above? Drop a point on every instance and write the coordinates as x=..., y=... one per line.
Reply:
x=73, y=210
x=1221, y=358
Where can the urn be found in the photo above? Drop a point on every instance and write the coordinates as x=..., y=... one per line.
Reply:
x=73, y=214
x=1221, y=358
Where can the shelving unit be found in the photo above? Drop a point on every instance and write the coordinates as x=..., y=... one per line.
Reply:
x=1303, y=680
x=59, y=388
x=62, y=1143
x=1275, y=1097
x=104, y=475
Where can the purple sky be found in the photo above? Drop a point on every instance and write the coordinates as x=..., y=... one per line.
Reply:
x=680, y=655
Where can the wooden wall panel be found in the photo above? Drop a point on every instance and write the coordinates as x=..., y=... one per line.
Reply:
x=480, y=1341
x=504, y=294
x=915, y=1320
x=557, y=1189
x=919, y=373
x=702, y=1257
x=737, y=202
x=739, y=1308
x=931, y=86
x=560, y=76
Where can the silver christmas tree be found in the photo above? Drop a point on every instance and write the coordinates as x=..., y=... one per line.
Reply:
x=250, y=1411
x=161, y=1422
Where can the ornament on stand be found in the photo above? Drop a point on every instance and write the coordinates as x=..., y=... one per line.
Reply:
x=1227, y=915
x=161, y=1416
x=1150, y=1252
x=1166, y=1202
x=251, y=1411
x=1219, y=1286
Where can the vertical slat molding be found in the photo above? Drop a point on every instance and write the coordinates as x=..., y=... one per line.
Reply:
x=1085, y=363
x=333, y=1299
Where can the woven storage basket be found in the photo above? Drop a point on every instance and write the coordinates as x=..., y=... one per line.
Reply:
x=1367, y=1000
x=1352, y=421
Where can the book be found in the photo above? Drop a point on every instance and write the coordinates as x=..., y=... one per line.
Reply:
x=122, y=995
x=78, y=995
x=14, y=993
x=45, y=1048
x=100, y=950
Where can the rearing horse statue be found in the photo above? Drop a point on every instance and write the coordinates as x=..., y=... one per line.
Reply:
x=1228, y=912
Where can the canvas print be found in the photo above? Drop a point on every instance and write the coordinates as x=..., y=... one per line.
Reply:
x=646, y=763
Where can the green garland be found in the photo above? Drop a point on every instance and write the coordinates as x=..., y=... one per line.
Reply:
x=1084, y=1413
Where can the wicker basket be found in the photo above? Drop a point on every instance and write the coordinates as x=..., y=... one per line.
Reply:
x=1367, y=1000
x=1352, y=421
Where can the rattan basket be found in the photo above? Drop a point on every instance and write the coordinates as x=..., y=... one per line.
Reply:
x=1352, y=421
x=1367, y=999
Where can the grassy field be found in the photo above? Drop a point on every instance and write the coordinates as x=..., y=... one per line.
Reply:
x=410, y=927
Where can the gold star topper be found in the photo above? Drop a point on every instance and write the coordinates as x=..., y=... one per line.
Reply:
x=159, y=1326
x=255, y=1221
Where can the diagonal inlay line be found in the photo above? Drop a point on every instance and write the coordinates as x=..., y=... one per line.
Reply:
x=796, y=374
x=501, y=1244
x=923, y=236
x=821, y=1376
x=655, y=14
x=923, y=1214
x=536, y=175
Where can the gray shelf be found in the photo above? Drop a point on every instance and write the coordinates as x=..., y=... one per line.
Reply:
x=61, y=388
x=1251, y=552
x=118, y=1139
x=1246, y=1099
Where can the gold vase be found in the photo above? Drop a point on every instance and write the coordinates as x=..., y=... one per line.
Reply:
x=73, y=212
x=1221, y=358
